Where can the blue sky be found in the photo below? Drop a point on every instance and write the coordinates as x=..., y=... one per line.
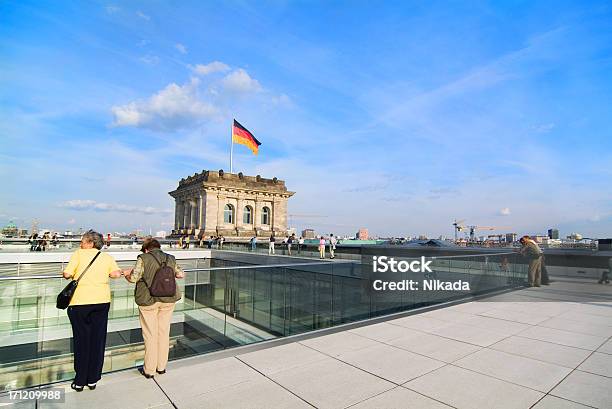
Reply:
x=398, y=117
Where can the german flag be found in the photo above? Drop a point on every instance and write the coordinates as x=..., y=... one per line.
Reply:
x=242, y=136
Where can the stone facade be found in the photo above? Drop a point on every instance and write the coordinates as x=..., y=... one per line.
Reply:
x=233, y=205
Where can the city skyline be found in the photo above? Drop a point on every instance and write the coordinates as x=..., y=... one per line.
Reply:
x=401, y=120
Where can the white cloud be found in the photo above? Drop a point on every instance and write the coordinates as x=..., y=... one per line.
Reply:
x=143, y=15
x=172, y=108
x=71, y=221
x=150, y=59
x=181, y=48
x=240, y=81
x=505, y=211
x=108, y=207
x=215, y=66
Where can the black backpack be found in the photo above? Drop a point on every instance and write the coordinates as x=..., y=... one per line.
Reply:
x=163, y=283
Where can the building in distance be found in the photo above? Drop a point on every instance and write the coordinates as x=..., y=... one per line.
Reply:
x=362, y=234
x=309, y=234
x=553, y=234
x=214, y=203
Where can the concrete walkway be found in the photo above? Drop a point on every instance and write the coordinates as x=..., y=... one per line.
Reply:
x=545, y=348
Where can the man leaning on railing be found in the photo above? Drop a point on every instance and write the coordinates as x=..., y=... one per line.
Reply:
x=531, y=250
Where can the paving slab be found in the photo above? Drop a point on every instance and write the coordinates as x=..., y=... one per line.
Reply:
x=339, y=343
x=254, y=394
x=400, y=398
x=469, y=334
x=280, y=358
x=464, y=389
x=543, y=351
x=504, y=327
x=420, y=323
x=552, y=402
x=202, y=377
x=598, y=363
x=606, y=348
x=522, y=371
x=586, y=388
x=125, y=390
x=581, y=327
x=331, y=383
x=516, y=316
x=390, y=363
x=568, y=338
x=590, y=318
x=434, y=346
x=383, y=332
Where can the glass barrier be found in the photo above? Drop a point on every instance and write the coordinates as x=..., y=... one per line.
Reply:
x=221, y=307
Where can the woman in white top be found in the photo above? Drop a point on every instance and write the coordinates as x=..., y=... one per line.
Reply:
x=322, y=247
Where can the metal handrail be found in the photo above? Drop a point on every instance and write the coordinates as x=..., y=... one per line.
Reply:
x=318, y=263
x=190, y=270
x=249, y=267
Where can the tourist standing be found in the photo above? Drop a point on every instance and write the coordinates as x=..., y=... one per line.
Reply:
x=108, y=240
x=187, y=240
x=300, y=244
x=322, y=247
x=45, y=241
x=532, y=252
x=89, y=306
x=271, y=245
x=289, y=243
x=33, y=241
x=254, y=243
x=332, y=246
x=221, y=240
x=155, y=312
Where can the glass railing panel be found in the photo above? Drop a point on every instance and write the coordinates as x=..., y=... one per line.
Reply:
x=221, y=307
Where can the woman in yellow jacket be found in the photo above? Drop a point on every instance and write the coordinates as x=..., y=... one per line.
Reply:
x=88, y=310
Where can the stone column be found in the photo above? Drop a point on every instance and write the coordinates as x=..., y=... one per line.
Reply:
x=220, y=208
x=273, y=214
x=193, y=213
x=186, y=215
x=256, y=215
x=177, y=208
x=200, y=213
x=211, y=211
x=239, y=212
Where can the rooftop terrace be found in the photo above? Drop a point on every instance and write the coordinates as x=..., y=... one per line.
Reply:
x=547, y=347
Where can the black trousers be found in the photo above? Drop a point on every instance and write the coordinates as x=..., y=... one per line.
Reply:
x=89, y=339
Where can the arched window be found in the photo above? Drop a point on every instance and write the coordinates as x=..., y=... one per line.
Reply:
x=247, y=215
x=265, y=215
x=228, y=214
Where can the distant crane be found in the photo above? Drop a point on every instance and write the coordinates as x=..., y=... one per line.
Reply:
x=458, y=225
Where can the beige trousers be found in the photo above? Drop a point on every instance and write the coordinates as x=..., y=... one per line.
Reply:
x=535, y=271
x=155, y=322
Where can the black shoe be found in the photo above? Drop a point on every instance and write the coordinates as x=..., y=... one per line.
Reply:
x=143, y=373
x=91, y=386
x=76, y=387
x=161, y=372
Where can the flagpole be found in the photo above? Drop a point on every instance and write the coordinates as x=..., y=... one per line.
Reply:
x=232, y=149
